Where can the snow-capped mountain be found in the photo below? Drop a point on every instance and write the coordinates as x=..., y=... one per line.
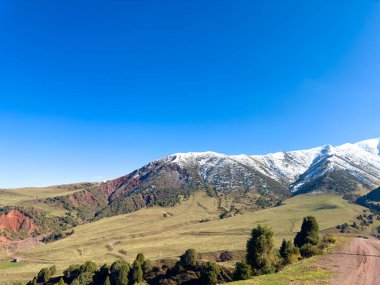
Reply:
x=297, y=169
x=245, y=181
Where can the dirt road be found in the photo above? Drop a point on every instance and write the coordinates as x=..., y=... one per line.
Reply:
x=357, y=263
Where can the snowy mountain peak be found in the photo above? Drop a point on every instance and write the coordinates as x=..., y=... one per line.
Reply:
x=252, y=181
x=297, y=169
x=372, y=145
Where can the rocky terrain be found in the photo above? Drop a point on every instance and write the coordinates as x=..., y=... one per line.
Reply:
x=239, y=181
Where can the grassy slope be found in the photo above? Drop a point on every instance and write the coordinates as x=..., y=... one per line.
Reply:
x=148, y=231
x=304, y=272
x=28, y=197
x=307, y=272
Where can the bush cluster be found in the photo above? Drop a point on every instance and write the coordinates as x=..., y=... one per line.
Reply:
x=119, y=273
x=261, y=258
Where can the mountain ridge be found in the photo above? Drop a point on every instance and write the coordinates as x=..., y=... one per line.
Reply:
x=240, y=182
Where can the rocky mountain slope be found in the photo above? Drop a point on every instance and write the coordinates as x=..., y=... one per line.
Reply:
x=240, y=181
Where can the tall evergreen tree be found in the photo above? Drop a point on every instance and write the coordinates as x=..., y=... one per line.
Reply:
x=136, y=273
x=140, y=258
x=260, y=250
x=309, y=233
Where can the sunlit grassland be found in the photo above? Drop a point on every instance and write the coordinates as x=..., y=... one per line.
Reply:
x=303, y=272
x=30, y=197
x=167, y=232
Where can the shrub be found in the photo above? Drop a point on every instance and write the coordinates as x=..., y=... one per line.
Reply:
x=147, y=266
x=71, y=272
x=288, y=252
x=326, y=240
x=89, y=266
x=102, y=274
x=329, y=238
x=189, y=258
x=44, y=275
x=84, y=278
x=309, y=232
x=210, y=273
x=119, y=272
x=177, y=268
x=260, y=251
x=243, y=270
x=309, y=250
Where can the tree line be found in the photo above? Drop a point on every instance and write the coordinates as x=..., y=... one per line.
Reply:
x=261, y=258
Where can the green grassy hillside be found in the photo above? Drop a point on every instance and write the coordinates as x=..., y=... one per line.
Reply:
x=166, y=232
x=34, y=196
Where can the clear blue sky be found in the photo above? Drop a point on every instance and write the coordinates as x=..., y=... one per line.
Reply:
x=93, y=89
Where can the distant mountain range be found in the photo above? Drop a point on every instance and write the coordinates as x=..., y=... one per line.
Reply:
x=240, y=181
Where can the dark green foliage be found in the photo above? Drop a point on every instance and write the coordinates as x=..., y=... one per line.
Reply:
x=189, y=258
x=288, y=252
x=102, y=274
x=140, y=258
x=343, y=228
x=243, y=270
x=71, y=272
x=210, y=273
x=84, y=278
x=309, y=250
x=119, y=272
x=57, y=236
x=260, y=251
x=309, y=232
x=136, y=273
x=123, y=205
x=147, y=266
x=89, y=266
x=371, y=200
x=178, y=267
x=44, y=275
x=81, y=274
x=374, y=195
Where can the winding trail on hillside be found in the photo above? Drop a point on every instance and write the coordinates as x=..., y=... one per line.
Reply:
x=357, y=263
x=115, y=251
